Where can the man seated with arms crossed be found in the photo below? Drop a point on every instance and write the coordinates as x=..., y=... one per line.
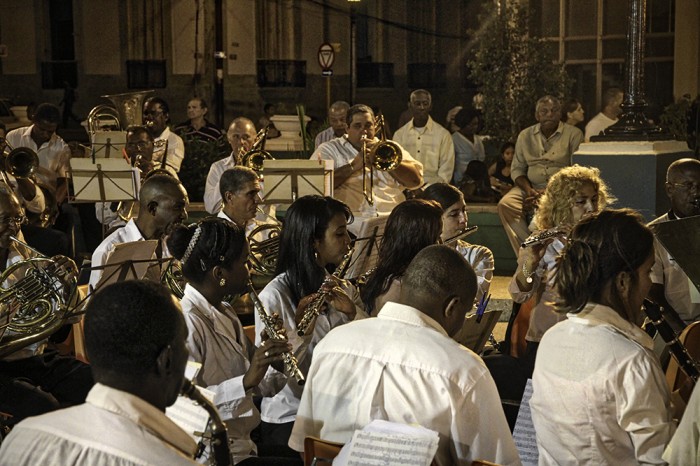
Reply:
x=163, y=203
x=241, y=135
x=346, y=154
x=405, y=368
x=671, y=287
x=135, y=336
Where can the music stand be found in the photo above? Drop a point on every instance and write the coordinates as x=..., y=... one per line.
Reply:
x=130, y=261
x=108, y=143
x=473, y=334
x=103, y=180
x=287, y=180
x=681, y=238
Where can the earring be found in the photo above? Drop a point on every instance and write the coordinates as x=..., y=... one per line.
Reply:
x=222, y=282
x=316, y=255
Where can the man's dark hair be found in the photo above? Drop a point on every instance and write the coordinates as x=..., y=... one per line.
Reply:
x=357, y=108
x=137, y=130
x=158, y=100
x=610, y=95
x=233, y=179
x=48, y=113
x=466, y=115
x=439, y=271
x=127, y=325
x=202, y=102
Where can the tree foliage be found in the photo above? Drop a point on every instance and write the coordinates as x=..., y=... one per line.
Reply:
x=513, y=69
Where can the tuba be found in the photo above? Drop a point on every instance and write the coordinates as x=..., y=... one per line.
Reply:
x=127, y=110
x=257, y=154
x=35, y=303
x=385, y=155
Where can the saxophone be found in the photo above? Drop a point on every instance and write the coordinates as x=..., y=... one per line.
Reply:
x=219, y=437
x=314, y=308
x=290, y=362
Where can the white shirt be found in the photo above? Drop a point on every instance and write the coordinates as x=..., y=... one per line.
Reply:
x=599, y=393
x=685, y=444
x=544, y=314
x=36, y=205
x=432, y=146
x=212, y=194
x=126, y=234
x=277, y=297
x=597, y=124
x=54, y=155
x=324, y=136
x=217, y=340
x=176, y=150
x=112, y=428
x=668, y=273
x=403, y=367
x=481, y=260
x=465, y=152
x=388, y=192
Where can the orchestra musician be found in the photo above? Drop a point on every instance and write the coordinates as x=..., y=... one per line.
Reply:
x=163, y=204
x=314, y=238
x=240, y=193
x=33, y=379
x=347, y=155
x=403, y=367
x=454, y=221
x=168, y=145
x=411, y=226
x=571, y=194
x=213, y=255
x=599, y=393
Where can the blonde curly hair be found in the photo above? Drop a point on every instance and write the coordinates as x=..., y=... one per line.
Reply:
x=556, y=203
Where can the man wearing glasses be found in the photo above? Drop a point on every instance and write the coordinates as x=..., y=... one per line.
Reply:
x=156, y=116
x=671, y=287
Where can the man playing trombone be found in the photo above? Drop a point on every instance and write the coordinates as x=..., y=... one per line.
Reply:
x=353, y=153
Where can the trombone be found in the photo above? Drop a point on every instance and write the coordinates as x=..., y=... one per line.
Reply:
x=385, y=155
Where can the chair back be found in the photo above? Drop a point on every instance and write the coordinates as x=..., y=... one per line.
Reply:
x=318, y=452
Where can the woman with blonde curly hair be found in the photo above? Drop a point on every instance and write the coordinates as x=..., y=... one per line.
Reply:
x=573, y=193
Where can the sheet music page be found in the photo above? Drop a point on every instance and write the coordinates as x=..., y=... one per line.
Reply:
x=383, y=443
x=188, y=415
x=122, y=253
x=474, y=335
x=524, y=432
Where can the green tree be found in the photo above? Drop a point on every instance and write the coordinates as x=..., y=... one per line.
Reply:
x=513, y=69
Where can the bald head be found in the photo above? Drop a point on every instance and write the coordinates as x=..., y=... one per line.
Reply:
x=158, y=186
x=241, y=134
x=441, y=284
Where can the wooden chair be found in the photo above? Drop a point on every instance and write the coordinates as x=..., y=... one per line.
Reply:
x=318, y=452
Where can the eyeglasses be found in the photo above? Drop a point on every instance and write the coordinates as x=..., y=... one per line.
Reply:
x=153, y=113
x=139, y=145
x=18, y=220
x=689, y=186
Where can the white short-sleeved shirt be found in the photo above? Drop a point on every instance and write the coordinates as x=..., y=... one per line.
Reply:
x=54, y=155
x=176, y=150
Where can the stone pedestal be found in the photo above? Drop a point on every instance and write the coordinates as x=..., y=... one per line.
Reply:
x=635, y=171
x=290, y=134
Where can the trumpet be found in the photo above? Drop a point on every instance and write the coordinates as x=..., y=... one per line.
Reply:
x=545, y=236
x=385, y=155
x=314, y=308
x=290, y=362
x=461, y=234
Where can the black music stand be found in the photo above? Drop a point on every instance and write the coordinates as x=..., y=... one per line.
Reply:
x=105, y=144
x=681, y=238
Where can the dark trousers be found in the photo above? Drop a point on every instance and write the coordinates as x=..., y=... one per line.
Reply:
x=42, y=383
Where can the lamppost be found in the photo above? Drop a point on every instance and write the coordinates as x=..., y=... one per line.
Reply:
x=353, y=50
x=633, y=125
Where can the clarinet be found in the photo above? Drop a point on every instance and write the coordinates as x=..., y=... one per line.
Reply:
x=314, y=308
x=290, y=362
x=219, y=436
x=678, y=351
x=544, y=236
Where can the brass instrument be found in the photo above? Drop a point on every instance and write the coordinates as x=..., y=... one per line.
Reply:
x=127, y=110
x=545, y=236
x=36, y=304
x=256, y=156
x=386, y=155
x=314, y=307
x=264, y=253
x=461, y=234
x=21, y=162
x=291, y=367
x=216, y=427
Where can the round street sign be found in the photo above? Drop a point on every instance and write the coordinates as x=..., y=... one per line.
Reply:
x=326, y=56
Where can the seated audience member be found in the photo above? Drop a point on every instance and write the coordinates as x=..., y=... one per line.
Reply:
x=404, y=367
x=213, y=254
x=412, y=226
x=314, y=238
x=612, y=101
x=476, y=184
x=468, y=145
x=346, y=154
x=168, y=145
x=265, y=121
x=135, y=336
x=337, y=119
x=197, y=126
x=162, y=204
x=599, y=394
x=572, y=113
x=427, y=141
x=499, y=171
x=241, y=136
x=33, y=380
x=572, y=194
x=671, y=287
x=454, y=221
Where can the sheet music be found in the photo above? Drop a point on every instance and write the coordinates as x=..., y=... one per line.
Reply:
x=474, y=335
x=524, y=432
x=383, y=443
x=188, y=415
